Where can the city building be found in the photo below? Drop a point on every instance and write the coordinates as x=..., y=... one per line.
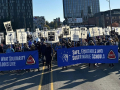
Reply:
x=78, y=11
x=57, y=20
x=19, y=12
x=38, y=22
x=102, y=19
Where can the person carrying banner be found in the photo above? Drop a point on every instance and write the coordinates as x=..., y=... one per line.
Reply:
x=56, y=48
x=110, y=42
x=1, y=51
x=43, y=48
x=10, y=50
x=63, y=46
x=48, y=56
x=26, y=48
x=91, y=43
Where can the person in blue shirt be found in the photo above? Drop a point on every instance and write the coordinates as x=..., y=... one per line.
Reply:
x=63, y=46
x=30, y=43
x=10, y=50
x=56, y=48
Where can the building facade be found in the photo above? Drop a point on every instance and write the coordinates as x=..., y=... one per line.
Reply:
x=19, y=12
x=103, y=19
x=80, y=10
x=38, y=22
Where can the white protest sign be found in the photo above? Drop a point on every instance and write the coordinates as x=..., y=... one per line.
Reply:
x=34, y=35
x=28, y=33
x=66, y=32
x=58, y=32
x=100, y=31
x=22, y=37
x=118, y=30
x=8, y=26
x=106, y=31
x=20, y=30
x=94, y=32
x=44, y=34
x=2, y=35
x=37, y=30
x=37, y=34
x=109, y=28
x=56, y=36
x=75, y=35
x=83, y=33
x=0, y=40
x=52, y=37
x=10, y=38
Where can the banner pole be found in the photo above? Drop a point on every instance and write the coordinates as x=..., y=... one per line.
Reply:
x=94, y=37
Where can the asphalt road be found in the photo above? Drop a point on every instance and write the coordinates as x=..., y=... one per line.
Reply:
x=78, y=77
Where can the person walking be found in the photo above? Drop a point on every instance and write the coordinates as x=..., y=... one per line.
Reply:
x=48, y=53
x=63, y=46
x=43, y=48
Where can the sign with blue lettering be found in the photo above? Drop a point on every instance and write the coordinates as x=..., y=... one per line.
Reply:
x=19, y=60
x=87, y=54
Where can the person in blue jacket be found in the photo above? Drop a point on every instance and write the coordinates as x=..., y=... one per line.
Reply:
x=56, y=48
x=63, y=46
x=10, y=50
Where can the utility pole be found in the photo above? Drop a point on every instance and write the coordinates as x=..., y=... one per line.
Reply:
x=110, y=14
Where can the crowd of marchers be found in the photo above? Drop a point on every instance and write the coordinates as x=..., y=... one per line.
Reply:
x=48, y=52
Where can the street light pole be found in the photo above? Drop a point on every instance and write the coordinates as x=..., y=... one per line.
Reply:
x=110, y=14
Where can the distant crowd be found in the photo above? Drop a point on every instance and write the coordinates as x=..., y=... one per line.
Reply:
x=48, y=52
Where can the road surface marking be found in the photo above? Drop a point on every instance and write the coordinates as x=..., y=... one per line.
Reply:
x=40, y=85
x=51, y=78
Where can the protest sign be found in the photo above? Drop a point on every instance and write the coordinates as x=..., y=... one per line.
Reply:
x=100, y=32
x=66, y=32
x=52, y=36
x=87, y=54
x=10, y=38
x=20, y=30
x=94, y=32
x=22, y=37
x=109, y=28
x=44, y=34
x=83, y=32
x=2, y=35
x=8, y=26
x=19, y=61
x=75, y=34
x=106, y=31
x=37, y=30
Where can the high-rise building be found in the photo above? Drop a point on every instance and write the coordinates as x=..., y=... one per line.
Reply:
x=19, y=12
x=38, y=22
x=80, y=10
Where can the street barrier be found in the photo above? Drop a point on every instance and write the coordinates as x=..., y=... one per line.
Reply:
x=87, y=54
x=19, y=61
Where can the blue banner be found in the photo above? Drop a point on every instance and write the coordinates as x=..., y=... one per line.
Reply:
x=19, y=60
x=87, y=54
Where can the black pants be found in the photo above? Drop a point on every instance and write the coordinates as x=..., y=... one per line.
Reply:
x=48, y=64
x=90, y=64
x=111, y=64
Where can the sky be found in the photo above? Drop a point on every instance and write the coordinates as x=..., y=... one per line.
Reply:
x=52, y=9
